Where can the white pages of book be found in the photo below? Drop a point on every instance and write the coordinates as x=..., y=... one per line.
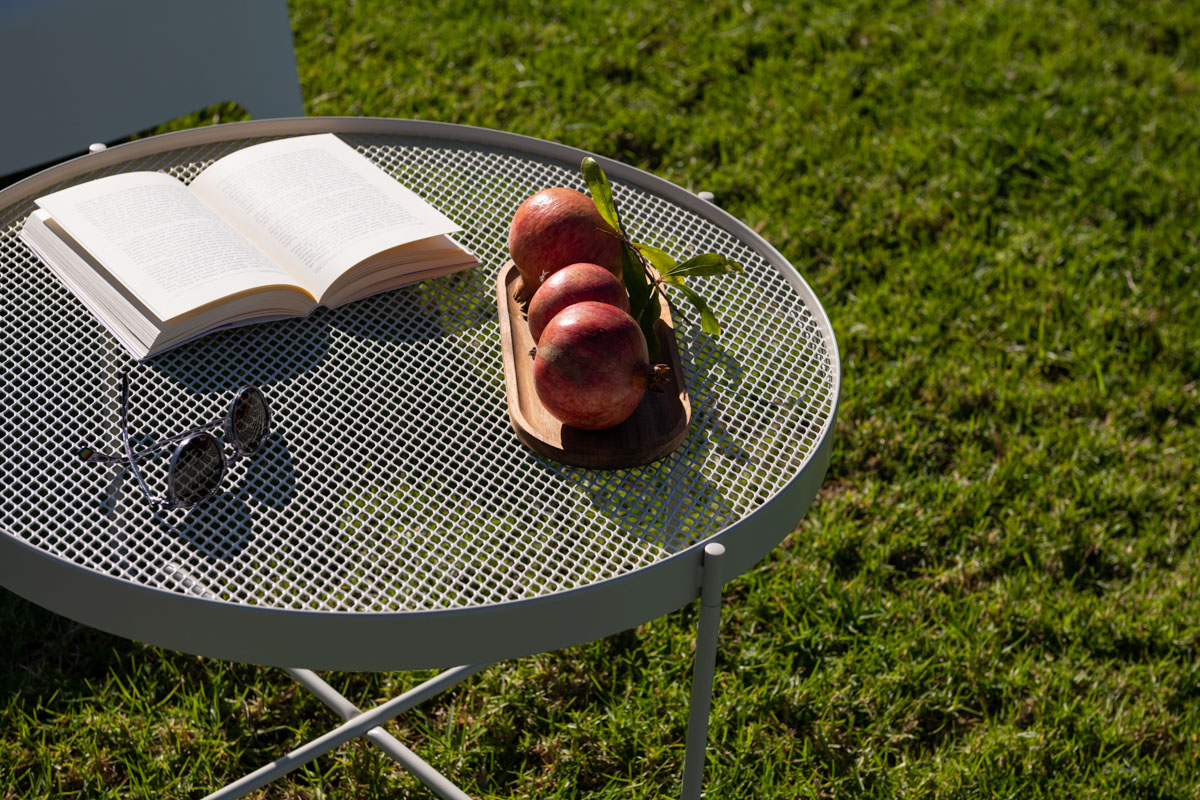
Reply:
x=316, y=206
x=170, y=250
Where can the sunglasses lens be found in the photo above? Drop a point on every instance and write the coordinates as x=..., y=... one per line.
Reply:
x=250, y=420
x=196, y=469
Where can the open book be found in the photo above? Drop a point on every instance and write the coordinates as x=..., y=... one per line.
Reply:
x=273, y=230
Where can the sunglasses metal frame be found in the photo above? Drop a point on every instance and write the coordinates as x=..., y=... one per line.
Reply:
x=182, y=440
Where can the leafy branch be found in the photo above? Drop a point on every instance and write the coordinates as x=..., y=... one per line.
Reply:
x=647, y=270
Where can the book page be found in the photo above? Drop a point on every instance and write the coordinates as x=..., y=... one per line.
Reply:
x=316, y=205
x=171, y=251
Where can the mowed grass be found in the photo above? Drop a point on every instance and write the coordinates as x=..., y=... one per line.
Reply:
x=995, y=594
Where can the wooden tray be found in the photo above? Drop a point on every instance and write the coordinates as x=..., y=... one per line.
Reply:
x=657, y=426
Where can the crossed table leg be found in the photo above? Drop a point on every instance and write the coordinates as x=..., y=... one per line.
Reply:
x=367, y=723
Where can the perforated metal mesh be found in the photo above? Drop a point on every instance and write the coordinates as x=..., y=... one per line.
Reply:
x=392, y=479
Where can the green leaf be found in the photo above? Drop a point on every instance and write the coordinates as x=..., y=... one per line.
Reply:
x=662, y=261
x=706, y=264
x=636, y=282
x=601, y=189
x=650, y=315
x=708, y=320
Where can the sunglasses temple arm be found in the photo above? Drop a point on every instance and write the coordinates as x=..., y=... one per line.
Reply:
x=137, y=473
x=90, y=456
x=95, y=457
x=180, y=437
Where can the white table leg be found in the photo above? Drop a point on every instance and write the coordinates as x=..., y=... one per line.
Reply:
x=359, y=723
x=703, y=671
x=437, y=783
x=358, y=726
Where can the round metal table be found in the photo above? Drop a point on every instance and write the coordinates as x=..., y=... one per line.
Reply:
x=394, y=520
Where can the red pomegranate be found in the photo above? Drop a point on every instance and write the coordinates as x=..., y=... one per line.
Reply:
x=570, y=285
x=557, y=227
x=591, y=366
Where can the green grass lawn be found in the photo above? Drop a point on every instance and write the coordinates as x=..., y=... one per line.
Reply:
x=995, y=594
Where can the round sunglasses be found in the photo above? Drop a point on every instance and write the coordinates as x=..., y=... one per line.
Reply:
x=199, y=462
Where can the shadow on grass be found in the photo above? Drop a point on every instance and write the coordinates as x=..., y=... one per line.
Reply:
x=44, y=654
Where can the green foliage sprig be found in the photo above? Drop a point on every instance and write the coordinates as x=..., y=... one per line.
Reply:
x=648, y=270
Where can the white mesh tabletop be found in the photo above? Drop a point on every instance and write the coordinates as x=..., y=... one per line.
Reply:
x=393, y=519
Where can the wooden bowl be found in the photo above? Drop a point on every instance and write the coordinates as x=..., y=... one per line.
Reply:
x=657, y=426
